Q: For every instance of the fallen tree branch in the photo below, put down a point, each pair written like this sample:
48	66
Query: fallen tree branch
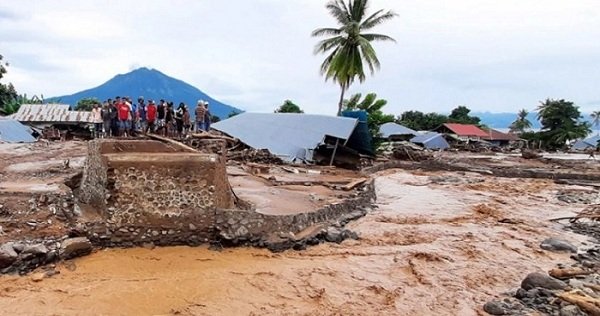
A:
568	273
354	184
212	136
586	303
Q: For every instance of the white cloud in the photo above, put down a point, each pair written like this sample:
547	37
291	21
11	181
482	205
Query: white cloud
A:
489	55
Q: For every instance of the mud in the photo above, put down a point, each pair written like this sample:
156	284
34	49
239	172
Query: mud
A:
431	247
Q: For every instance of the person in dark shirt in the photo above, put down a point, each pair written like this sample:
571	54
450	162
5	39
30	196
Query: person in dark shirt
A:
169	120
179	119
114	118
207	118
141	115
160	122
106	117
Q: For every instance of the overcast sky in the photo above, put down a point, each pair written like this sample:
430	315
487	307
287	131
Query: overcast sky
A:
490	55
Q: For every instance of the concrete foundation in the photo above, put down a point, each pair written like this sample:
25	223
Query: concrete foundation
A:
150	183
152	192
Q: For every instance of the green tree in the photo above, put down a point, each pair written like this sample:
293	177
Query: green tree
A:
288	107
13	105
521	124
349	46
8	94
86	104
561	122
420	121
461	115
596	119
372	106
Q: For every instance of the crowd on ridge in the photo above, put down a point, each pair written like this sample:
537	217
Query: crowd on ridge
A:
122	118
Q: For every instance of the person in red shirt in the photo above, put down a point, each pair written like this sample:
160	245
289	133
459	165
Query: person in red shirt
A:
123	112
151	113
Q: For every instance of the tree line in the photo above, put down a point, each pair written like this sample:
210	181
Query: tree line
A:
560	119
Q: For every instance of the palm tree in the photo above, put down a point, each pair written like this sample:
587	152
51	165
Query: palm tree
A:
521	124
371	105
349	47
596	120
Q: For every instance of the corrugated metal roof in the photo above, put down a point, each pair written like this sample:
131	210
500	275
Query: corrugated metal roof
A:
390	129
51	113
583	144
465	129
288	135
431	140
493	134
11	131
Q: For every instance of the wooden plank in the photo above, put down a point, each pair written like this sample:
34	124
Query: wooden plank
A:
354	184
174	142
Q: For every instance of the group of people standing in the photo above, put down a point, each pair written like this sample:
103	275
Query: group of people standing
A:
122	118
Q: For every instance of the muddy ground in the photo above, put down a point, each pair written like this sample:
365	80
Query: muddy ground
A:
439	243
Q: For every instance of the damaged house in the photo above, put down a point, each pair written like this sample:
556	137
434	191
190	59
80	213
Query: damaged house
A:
500	139
294	137
463	135
55	121
11	131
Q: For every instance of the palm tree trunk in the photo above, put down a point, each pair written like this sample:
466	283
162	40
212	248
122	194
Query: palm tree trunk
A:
341	104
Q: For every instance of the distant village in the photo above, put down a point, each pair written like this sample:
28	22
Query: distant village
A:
294	137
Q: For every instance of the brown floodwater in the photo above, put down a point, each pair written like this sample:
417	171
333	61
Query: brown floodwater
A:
428	249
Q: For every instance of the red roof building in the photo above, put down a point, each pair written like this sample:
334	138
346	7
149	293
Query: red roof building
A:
462	130
493	134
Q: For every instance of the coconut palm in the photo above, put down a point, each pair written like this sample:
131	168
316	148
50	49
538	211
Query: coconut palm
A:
349	46
521	124
372	106
596	120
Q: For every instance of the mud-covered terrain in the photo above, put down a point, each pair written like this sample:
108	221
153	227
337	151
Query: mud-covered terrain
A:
439	243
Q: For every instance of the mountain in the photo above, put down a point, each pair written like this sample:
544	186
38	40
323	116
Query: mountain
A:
152	84
503	120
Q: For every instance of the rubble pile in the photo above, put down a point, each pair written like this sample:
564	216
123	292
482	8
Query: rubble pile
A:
254	156
578	196
530	154
24	256
403	150
569	289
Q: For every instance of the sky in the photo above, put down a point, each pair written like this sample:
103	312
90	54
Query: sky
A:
496	56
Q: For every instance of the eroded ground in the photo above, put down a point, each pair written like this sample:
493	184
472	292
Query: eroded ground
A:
439	243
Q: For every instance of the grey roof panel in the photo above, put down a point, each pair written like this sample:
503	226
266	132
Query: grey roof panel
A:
431	140
389	129
288	135
11	131
55	113
583	144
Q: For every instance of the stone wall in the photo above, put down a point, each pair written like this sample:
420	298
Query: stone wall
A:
147	191
174	196
94	180
227	226
241	226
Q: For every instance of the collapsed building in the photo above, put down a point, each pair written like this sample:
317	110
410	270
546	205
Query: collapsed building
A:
302	138
55	121
12	131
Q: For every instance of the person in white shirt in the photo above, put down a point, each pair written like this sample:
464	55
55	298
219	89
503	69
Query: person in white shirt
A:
97	119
